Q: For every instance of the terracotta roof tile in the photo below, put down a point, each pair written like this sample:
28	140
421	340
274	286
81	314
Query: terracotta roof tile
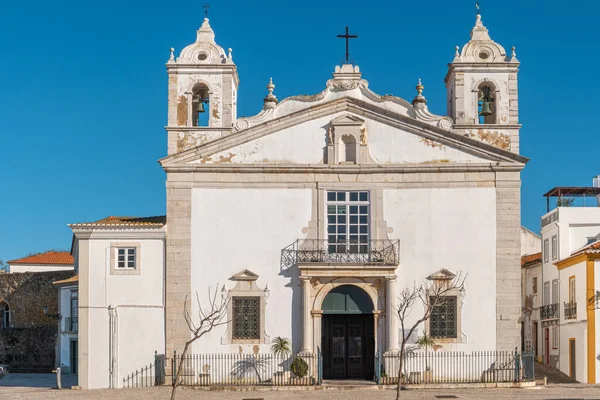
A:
156	221
73	279
50	257
530	259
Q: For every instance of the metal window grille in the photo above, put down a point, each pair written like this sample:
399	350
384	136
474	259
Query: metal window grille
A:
442	323
246	317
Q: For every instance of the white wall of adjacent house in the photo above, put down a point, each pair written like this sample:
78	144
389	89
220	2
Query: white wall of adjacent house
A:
573	328
67	330
531	278
531	243
121	321
16	268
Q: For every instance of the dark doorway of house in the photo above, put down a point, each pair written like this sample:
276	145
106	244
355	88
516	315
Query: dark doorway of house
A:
348	346
73	351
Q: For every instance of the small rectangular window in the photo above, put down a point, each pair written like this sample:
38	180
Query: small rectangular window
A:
126	258
555	337
546	250
546	299
535	284
555	291
554	247
572	289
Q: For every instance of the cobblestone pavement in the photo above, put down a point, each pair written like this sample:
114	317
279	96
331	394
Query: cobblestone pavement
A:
551	392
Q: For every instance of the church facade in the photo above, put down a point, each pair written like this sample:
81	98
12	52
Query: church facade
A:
314	215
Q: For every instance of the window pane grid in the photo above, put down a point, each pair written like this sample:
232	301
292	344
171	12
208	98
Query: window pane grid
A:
348	222
126	258
246	317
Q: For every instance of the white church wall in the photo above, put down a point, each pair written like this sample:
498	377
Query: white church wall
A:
453	229
16	268
237	229
138	301
306	144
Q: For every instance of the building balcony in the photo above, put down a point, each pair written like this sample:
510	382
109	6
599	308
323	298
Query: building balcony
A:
321	251
70	324
549	311
571	310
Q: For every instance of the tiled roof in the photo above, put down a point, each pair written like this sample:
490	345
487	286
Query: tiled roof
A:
590	248
73	279
50	257
531	259
157	221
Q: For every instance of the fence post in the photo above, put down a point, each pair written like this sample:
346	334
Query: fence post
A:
174	367
517	366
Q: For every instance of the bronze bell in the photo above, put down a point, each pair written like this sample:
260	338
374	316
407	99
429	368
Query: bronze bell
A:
486	111
200	107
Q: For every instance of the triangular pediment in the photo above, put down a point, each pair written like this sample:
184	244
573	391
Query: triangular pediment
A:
441	275
245	275
348	119
306	131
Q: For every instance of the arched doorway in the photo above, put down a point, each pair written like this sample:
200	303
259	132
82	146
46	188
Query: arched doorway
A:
348	337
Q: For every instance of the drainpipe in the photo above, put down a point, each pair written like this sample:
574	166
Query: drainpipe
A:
112	346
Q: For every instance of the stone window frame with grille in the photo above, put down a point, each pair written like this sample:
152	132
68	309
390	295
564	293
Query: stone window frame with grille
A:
246	287
458	297
115	268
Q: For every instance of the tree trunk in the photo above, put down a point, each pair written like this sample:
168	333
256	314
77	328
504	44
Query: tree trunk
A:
179	368
400	368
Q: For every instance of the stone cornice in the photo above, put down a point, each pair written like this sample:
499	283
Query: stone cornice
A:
358	107
82	232
347	168
487	126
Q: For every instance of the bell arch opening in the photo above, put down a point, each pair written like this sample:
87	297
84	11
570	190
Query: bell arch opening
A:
200	105
486	103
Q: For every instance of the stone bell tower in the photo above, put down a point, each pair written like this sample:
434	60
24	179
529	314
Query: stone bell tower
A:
482	91
203	83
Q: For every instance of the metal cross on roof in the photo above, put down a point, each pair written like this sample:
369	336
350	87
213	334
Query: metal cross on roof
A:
477	6
347	36
206	7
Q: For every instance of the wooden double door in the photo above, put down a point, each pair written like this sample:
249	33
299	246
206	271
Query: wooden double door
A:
348	344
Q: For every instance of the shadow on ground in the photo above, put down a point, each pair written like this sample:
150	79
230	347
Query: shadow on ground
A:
37	380
553	375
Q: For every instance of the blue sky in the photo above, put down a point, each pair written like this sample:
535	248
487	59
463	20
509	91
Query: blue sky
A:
83	90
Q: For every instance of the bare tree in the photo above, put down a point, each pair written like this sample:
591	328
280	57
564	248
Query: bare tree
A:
209	318
431	294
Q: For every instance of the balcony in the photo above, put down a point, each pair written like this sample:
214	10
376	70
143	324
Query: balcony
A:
550	311
317	251
571	310
70	324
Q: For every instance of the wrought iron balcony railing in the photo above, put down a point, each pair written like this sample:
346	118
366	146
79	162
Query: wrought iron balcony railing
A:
549	311
71	324
305	251
571	310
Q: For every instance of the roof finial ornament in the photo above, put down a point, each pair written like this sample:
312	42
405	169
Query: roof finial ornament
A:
419	99
229	56
270	100
456	52
172	56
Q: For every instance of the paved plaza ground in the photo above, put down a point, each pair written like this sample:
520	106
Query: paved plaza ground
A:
551	392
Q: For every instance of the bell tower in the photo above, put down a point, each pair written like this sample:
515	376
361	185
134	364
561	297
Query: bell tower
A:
482	91
203	84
